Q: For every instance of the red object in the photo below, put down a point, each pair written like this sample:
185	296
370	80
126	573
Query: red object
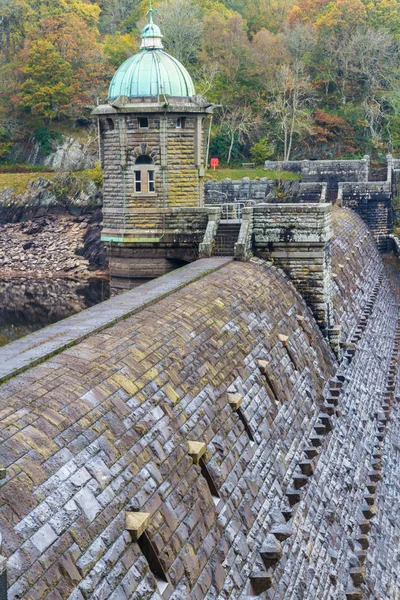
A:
214	162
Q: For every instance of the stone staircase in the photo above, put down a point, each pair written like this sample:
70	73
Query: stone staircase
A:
226	238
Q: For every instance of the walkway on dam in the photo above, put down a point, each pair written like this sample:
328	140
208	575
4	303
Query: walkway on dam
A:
36	347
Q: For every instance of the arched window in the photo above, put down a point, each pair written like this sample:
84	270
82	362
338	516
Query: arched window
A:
144	175
144	160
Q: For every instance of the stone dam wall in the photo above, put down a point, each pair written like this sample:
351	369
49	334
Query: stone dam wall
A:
296	495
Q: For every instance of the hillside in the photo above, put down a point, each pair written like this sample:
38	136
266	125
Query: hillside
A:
292	78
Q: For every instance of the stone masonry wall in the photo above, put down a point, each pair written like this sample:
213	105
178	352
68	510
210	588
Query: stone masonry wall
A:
152	220
294	166
296	238
176	176
103	428
331	553
109	431
250	191
373	202
334	171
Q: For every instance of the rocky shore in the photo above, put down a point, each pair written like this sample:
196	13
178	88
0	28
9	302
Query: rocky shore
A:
51	232
46	247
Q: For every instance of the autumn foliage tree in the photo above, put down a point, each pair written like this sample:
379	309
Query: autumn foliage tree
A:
47	88
308	76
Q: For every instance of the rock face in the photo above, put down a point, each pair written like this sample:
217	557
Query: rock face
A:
43	196
67	154
102	429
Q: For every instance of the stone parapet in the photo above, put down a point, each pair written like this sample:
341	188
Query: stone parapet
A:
313	192
300	223
244	245
206	246
293	166
335	170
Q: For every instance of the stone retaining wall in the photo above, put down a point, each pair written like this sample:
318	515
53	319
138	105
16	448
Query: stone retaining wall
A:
250	191
293	166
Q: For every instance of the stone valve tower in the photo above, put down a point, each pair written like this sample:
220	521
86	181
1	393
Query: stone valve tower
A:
153	137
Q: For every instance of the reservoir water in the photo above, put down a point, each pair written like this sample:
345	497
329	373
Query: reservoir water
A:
30	304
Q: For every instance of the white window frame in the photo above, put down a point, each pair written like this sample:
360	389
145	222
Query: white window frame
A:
138	181
151	181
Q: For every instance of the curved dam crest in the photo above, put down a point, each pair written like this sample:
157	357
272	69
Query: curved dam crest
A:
292	489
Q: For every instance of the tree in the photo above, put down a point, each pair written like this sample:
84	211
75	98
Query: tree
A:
181	25
291	94
341	16
291	97
14	16
266	14
331	135
261	151
48	86
328	17
383	14
226	46
236	124
268	52
118	47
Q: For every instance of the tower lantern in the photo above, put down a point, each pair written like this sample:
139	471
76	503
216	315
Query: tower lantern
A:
152	137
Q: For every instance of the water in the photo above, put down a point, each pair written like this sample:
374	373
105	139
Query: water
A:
30	304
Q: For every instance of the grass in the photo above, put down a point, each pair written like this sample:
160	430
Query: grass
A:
22	168
19	181
220	174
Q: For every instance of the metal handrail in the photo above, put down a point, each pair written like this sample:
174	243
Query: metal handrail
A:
232	211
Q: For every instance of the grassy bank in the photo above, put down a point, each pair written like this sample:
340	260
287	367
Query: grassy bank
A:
220	174
19	181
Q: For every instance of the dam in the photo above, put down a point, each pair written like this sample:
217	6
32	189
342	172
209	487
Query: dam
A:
254	460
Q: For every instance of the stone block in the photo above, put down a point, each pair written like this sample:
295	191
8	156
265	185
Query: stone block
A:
353	593
196	450
261	581
235	400
263	366
271	551
136	523
358	575
282	532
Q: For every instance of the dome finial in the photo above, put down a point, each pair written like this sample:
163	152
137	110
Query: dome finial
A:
151	34
150	13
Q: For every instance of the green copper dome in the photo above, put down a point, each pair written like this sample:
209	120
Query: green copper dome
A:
151	72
